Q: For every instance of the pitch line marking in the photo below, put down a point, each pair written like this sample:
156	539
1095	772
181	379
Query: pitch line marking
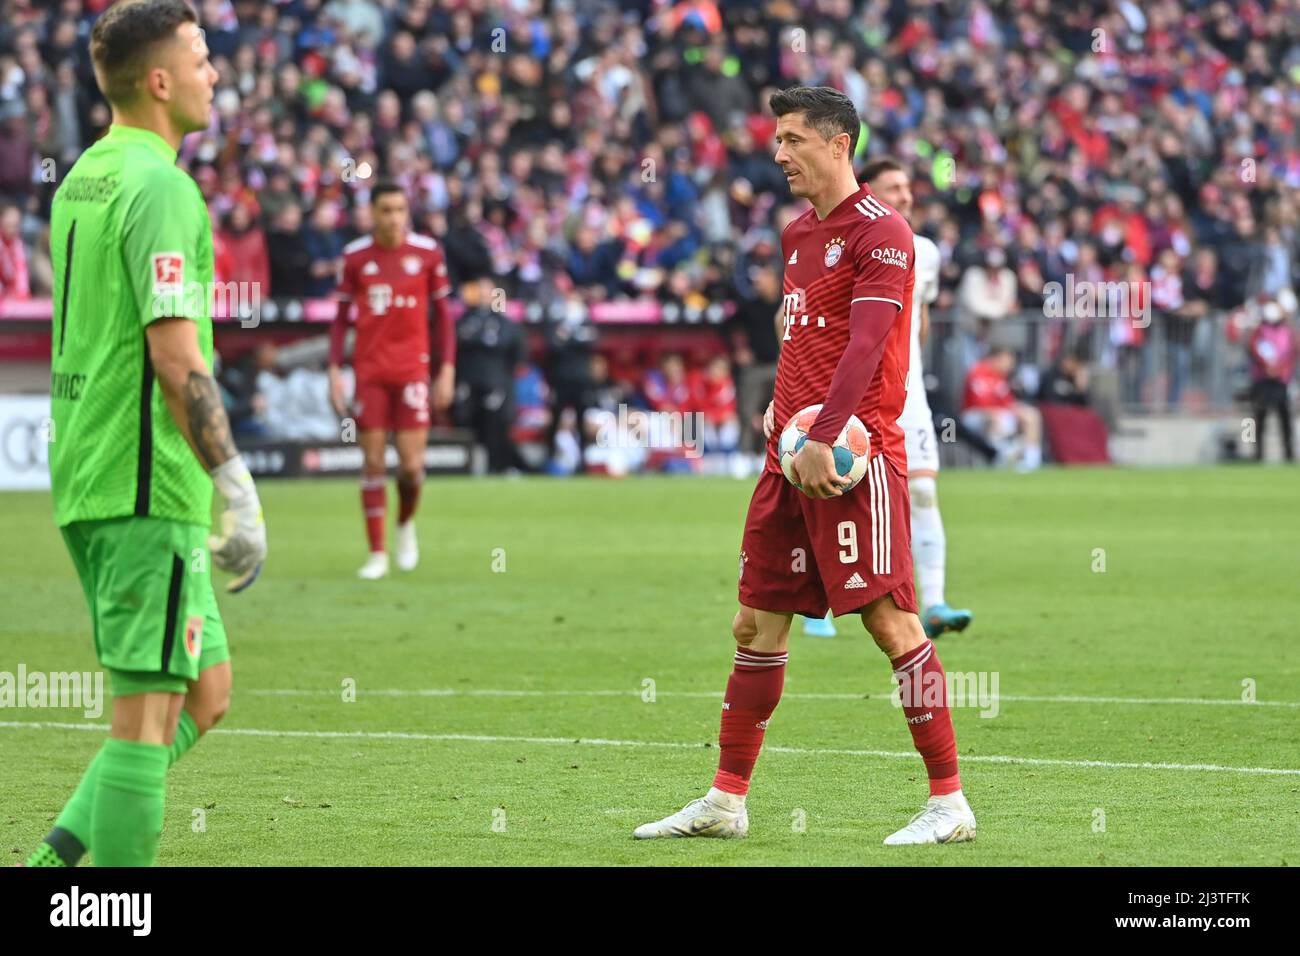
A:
677	745
717	695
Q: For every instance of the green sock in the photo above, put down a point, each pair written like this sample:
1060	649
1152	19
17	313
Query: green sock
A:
187	735
127	819
45	855
71	834
70	838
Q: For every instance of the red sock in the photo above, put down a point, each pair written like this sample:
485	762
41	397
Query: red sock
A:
924	688
408	496
752	694
374	503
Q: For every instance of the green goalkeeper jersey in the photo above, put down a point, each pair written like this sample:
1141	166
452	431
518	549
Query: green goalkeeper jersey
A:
131	243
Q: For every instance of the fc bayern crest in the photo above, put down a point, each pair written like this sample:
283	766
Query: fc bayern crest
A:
834	249
411	264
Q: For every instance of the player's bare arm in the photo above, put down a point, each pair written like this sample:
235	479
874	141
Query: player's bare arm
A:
444	386
190	390
442	331
338	332
194	401
209	425
769	415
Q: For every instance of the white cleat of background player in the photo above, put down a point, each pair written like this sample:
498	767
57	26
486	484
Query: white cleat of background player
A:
408	551
716	814
945	819
376	567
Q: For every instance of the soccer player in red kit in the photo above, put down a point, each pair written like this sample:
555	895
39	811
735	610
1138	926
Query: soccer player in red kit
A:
848	286
393	286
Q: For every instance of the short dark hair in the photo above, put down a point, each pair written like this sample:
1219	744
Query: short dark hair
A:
127	35
825	109
384	188
881	164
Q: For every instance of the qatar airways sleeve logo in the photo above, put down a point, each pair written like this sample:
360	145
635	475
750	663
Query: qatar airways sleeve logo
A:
890	256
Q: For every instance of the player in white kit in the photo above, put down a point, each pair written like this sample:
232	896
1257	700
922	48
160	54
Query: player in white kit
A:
889	180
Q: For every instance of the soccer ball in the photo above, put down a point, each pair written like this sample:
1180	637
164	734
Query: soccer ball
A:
852	449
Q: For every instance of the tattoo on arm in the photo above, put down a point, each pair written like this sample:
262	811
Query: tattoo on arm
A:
209	426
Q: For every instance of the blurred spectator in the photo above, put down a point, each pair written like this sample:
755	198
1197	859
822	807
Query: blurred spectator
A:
1128	332
570	341
1240	260
988	291
289	256
615	431
325	249
1272	367
1190	330
14	282
754	351
245	402
532	416
593	264
1175	313
671	399
1066	382
16	153
713	394
987	294
489	349
989	407
666	387
244	251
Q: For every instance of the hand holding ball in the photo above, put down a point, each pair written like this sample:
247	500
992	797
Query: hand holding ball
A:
850	452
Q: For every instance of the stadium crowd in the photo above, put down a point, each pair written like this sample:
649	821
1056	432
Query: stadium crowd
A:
601	149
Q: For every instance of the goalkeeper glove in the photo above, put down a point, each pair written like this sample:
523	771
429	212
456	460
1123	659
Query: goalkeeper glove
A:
241	547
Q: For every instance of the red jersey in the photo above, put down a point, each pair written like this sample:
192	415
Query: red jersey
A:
392	289
862	250
986	387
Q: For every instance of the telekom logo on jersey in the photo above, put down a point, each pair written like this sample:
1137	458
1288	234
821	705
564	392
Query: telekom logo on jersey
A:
794	314
380	298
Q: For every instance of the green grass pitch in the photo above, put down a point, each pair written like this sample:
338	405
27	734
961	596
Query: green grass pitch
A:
500	712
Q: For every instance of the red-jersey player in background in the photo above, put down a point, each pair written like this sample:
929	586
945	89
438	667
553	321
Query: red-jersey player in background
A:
848	285
397	282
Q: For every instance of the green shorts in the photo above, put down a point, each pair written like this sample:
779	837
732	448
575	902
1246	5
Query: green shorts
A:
152	608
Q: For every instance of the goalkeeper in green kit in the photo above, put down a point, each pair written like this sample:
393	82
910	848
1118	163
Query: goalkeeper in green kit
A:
140	437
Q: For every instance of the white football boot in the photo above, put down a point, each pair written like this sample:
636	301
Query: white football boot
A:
376	567
408	551
717	814
945	819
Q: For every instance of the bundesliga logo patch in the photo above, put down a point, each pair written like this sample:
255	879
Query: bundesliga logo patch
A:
194	636
168	270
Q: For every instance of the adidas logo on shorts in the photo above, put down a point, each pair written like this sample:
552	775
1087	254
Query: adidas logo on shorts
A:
855	582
